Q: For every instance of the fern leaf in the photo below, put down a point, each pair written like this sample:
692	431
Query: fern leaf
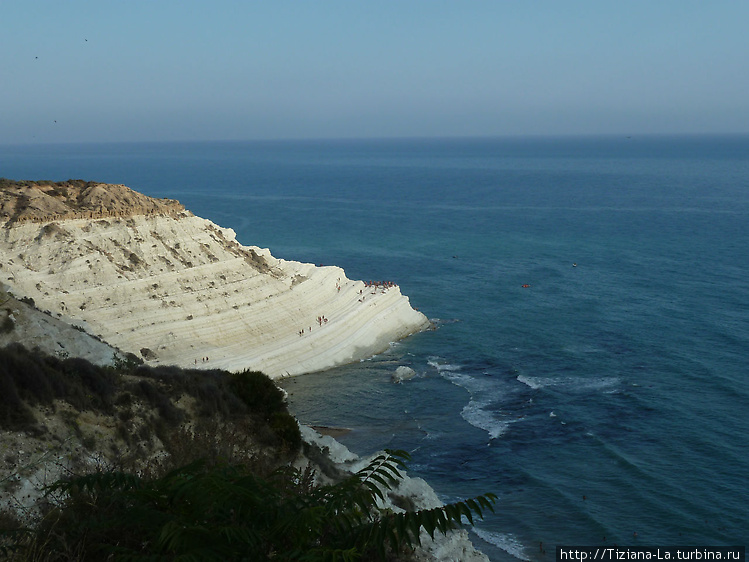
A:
475	507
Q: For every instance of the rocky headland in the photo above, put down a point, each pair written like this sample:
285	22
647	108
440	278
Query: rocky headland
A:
150	278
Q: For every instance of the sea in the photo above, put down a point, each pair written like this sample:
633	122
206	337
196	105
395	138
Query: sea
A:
590	297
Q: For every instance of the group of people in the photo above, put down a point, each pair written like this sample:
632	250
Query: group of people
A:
375	285
320	320
381	284
384	285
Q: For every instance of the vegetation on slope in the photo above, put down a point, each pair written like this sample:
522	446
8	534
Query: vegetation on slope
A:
226	512
226	489
29	379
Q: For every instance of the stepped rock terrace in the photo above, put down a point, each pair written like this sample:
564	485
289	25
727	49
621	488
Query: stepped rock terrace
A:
149	277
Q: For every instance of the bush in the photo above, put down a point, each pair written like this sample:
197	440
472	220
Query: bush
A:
94	386
209	388
159	400
126	363
258	392
31	377
25	374
286	428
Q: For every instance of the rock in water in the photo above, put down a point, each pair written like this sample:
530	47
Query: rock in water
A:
403	373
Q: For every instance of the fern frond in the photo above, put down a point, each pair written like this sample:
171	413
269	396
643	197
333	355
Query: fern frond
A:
224	512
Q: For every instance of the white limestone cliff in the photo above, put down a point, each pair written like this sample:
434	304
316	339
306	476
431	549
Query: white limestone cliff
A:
177	289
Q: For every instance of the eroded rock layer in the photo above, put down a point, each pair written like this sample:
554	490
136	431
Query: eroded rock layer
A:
151	278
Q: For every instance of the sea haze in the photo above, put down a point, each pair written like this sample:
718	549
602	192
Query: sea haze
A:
590	295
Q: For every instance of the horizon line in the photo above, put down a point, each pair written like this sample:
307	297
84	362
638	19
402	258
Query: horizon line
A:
438	138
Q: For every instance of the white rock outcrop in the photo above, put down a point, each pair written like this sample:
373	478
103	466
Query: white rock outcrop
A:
177	289
48	334
402	373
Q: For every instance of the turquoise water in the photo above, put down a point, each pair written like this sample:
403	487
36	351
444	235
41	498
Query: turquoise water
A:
609	397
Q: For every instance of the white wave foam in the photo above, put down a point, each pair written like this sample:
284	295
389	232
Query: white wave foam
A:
434	362
579	384
476	386
534	383
462	380
483	392
506	542
475	414
598	383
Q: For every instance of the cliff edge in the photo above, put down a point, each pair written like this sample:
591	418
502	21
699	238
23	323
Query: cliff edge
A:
42	201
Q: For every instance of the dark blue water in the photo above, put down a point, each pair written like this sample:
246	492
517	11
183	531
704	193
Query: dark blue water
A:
609	397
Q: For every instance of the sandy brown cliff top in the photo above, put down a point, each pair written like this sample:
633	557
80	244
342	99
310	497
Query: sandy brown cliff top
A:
42	201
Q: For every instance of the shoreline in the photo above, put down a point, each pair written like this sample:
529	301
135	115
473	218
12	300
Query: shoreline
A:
455	545
176	289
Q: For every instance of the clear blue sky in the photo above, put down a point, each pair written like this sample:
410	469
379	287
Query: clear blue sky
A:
186	70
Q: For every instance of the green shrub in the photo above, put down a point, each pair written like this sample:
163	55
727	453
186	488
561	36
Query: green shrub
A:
31	377
125	364
286	428
258	392
28	378
91	386
159	400
210	389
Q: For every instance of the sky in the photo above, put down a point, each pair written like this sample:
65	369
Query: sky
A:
162	70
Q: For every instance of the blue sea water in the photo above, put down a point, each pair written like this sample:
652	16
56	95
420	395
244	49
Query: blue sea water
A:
605	403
